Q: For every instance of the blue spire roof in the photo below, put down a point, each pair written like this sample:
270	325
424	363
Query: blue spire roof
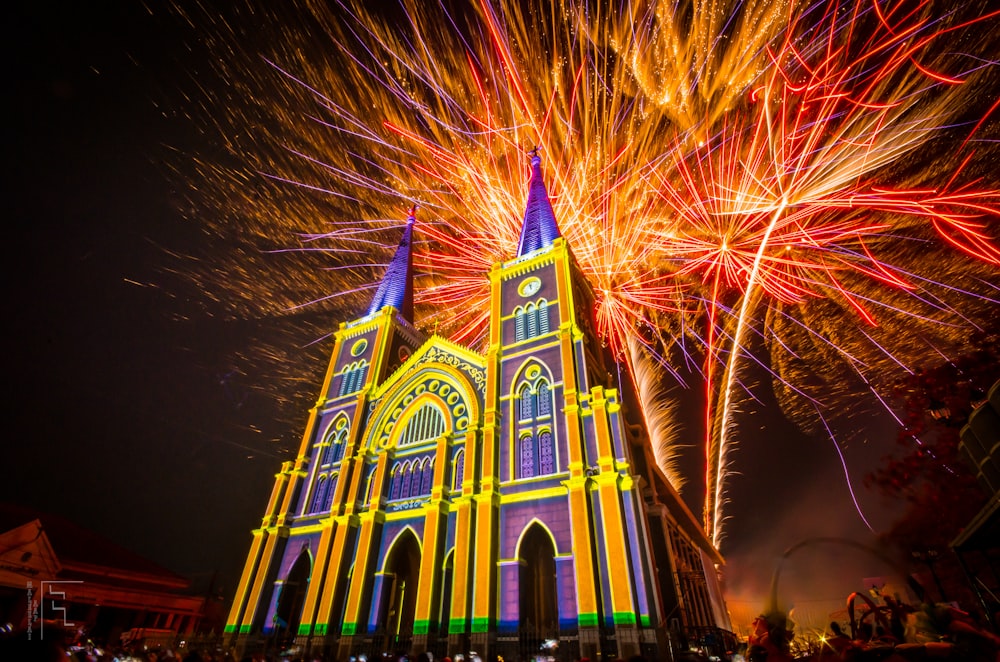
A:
539	228
396	288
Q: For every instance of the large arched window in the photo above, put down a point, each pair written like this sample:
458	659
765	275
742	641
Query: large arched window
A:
535	452
425	424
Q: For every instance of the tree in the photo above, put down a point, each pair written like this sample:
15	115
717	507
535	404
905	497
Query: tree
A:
926	470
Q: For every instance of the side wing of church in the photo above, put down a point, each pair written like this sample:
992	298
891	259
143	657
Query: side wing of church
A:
449	501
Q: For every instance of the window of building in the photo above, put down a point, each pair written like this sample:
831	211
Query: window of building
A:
527	455
412	478
331	489
427	480
536	451
406	480
459	469
531	321
425	424
525	404
319	494
353	377
518	324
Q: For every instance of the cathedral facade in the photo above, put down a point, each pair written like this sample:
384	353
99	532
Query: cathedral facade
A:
448	500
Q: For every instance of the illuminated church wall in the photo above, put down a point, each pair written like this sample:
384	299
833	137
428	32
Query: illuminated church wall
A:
459	496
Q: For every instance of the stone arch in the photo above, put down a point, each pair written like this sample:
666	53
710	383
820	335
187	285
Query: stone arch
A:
538	590
396	541
534	521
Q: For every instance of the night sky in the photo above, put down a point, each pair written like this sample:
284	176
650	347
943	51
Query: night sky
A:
131	414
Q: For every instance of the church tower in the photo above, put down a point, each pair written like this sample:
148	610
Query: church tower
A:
451	501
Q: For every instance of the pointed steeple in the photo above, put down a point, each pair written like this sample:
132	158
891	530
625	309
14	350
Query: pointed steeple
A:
396	288
539	227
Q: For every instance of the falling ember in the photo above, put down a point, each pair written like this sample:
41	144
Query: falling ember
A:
803	186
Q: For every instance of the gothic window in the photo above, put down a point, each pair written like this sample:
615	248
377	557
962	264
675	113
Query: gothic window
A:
339	444
535	452
518	324
336	441
404	491
428	477
459	468
319	495
527	453
328	453
331	488
397	482
544	398
426	423
546	453
524	404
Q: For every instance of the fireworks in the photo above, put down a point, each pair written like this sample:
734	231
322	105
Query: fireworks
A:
792	184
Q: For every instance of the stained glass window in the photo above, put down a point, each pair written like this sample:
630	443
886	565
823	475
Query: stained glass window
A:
524	402
546	453
527	456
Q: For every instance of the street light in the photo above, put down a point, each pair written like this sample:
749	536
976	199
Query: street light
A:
930	557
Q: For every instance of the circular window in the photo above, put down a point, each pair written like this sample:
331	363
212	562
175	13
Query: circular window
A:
359	347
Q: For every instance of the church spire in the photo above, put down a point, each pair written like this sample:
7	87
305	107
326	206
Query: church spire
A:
396	288
539	227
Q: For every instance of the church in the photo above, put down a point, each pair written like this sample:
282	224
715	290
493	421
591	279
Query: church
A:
450	501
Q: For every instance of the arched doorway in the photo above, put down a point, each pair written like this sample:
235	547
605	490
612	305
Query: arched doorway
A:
403	570
538	596
292	595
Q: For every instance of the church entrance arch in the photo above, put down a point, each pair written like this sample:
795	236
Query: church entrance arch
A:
403	571
538	596
292	596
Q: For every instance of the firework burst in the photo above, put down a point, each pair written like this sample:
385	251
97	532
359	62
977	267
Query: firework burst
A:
789	184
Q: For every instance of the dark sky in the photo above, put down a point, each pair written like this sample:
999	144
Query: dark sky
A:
126	416
125	419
